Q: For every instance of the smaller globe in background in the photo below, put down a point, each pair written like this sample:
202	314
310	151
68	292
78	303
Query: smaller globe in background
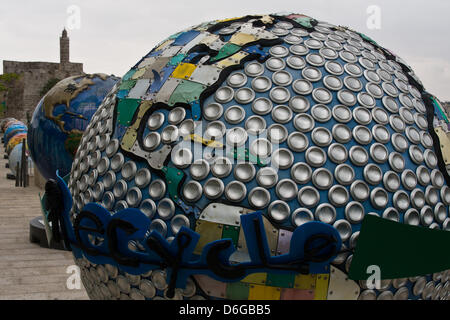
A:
60	119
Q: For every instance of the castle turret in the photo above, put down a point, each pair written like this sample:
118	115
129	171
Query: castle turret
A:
64	47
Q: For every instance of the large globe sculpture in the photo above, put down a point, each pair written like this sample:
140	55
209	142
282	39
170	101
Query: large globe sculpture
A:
60	119
256	130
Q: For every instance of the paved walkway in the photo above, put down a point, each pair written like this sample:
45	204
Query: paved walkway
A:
28	271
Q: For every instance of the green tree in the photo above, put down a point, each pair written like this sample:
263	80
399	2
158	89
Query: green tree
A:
50	84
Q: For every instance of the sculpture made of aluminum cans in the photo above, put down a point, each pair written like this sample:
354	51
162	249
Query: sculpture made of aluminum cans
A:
207	170
60	119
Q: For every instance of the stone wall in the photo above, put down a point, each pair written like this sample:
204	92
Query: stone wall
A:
35	76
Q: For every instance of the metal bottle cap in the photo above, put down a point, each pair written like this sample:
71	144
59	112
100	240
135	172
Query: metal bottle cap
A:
401	201
282	78
423	176
326	213
176	115
296	62
346	97
338	153
261	84
215	130
103	166
279	51
342	133
333	82
302	87
275	64
151	141
379	198
224	94
117	162
134	197
373	174
321	137
108	200
304	122
312	74
237	79
182	157
334	67
344	174
221	167
192	191
354	212
213	111
344	229
380	116
109	180
286	190
358	156
299	104
169	134
234	114
437	178
440	213
157	189
301	216
244	172
308	197
418	198
430	159
254	69
431	195
279	211
426	216
362	115
148	207
300	173
259	198
199	170
362	135
262	106
412	217
338	196
261	148
235	191
381	134
120	189
322	95
416	154
399	142
360	190
322	179
342	113
159	226
282	114
166	209
277	133
315	157
267	177
178	221
280	95
155	121
282	159
213	188
366	100
236	137
397	162
244	95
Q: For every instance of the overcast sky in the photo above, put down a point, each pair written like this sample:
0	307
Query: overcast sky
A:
113	35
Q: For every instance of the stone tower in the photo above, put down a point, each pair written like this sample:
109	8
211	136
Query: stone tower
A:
64	47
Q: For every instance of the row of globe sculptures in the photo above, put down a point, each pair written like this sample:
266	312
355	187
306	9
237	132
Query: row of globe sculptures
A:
14	140
341	119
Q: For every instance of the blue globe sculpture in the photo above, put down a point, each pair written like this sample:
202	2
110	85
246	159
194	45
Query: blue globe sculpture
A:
60	119
210	170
